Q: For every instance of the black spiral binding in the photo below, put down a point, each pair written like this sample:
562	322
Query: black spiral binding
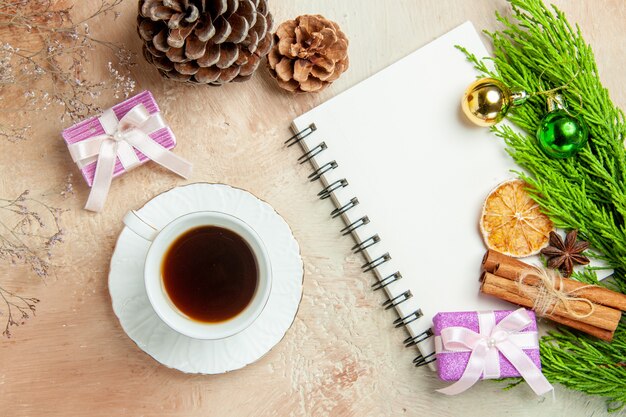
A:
355	225
317	174
367	243
414	340
397	300
300	135
340	210
382	283
331	188
420	360
312	153
370	266
410	318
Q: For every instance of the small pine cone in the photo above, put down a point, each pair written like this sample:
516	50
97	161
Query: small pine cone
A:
309	53
205	41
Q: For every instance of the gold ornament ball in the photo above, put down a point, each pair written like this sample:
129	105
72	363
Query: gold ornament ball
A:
486	101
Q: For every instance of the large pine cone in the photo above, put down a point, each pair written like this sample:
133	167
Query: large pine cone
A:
309	53
205	41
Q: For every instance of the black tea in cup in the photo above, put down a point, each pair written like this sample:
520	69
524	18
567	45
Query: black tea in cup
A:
210	274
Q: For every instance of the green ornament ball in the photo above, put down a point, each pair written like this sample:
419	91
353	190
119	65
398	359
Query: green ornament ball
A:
561	134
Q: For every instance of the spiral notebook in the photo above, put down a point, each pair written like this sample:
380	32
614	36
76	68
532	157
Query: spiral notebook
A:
408	175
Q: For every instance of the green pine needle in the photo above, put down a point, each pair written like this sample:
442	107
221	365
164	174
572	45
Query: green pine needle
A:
538	50
586	364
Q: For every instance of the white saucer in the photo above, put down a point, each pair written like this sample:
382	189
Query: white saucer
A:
140	322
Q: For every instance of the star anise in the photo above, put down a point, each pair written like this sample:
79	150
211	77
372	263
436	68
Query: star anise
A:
564	254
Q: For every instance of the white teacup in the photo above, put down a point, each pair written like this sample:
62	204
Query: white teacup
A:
162	240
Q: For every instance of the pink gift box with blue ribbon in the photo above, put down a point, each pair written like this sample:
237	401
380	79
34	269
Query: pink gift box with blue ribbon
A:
473	345
121	138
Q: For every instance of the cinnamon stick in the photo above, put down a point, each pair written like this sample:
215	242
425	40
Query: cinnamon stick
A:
512	268
606	335
490	289
603	317
494	258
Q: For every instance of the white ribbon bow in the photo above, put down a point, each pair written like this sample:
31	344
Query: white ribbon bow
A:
506	338
120	137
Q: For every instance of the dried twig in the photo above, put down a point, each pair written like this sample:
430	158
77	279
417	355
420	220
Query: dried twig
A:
17	309
42	62
29	230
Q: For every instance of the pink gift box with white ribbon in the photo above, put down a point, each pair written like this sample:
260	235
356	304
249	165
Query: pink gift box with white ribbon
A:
120	139
473	345
93	127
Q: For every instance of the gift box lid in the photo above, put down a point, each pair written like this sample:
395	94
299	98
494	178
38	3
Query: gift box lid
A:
469	320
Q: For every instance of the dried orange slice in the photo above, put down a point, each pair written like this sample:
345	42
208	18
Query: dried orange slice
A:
512	223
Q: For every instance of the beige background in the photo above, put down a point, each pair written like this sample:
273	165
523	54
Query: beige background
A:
342	356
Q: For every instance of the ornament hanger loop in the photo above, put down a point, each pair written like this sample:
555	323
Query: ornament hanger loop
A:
551	91
555	99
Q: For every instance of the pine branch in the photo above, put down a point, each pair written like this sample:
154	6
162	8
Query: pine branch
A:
538	50
583	363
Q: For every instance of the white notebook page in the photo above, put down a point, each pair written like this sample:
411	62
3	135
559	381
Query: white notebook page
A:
420	172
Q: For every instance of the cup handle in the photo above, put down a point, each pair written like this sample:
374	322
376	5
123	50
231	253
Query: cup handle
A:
140	226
